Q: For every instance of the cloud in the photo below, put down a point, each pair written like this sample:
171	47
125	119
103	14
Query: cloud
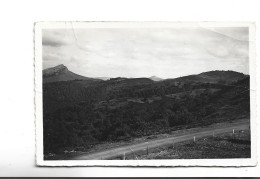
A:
50	42
54	39
135	52
235	33
51	57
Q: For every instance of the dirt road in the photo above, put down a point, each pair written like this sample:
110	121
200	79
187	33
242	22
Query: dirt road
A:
120	151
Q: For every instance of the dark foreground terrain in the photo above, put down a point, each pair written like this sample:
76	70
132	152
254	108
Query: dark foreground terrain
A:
221	146
80	113
143	148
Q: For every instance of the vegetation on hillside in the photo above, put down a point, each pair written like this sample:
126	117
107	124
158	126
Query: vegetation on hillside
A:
80	113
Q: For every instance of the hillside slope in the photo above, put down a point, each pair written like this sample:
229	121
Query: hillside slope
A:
80	114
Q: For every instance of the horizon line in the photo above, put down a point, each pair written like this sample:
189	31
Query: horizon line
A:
144	76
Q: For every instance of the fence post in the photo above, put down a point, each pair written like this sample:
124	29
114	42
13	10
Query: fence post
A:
194	139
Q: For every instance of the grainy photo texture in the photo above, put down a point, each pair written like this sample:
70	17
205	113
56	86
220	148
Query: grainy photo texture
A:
127	93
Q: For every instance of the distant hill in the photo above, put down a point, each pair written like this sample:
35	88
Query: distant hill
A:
213	77
103	78
61	73
155	78
136	81
218	76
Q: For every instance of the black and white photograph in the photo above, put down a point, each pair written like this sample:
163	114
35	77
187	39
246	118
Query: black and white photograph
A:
145	94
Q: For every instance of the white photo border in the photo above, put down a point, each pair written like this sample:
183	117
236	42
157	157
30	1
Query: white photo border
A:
155	163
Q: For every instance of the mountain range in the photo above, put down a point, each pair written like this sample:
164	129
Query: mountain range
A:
61	73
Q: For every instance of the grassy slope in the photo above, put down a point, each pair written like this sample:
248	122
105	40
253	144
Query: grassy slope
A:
182	130
221	146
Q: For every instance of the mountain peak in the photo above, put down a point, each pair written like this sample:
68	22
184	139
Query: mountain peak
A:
54	70
62	73
155	78
61	66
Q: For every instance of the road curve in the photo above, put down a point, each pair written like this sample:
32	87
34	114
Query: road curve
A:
120	151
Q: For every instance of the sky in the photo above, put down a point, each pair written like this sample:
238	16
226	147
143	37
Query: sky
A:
145	52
